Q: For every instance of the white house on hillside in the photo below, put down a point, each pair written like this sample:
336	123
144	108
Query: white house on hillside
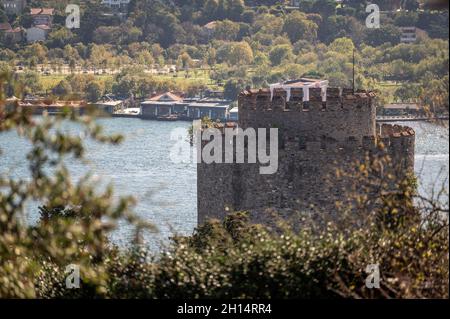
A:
116	4
409	35
38	33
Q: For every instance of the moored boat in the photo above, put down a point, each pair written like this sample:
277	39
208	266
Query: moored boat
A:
168	118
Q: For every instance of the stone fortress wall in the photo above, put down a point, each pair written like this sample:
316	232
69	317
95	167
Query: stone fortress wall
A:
316	138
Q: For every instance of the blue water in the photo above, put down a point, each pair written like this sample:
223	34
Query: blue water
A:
166	191
432	160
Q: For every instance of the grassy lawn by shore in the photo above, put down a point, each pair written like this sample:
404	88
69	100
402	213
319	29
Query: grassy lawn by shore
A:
50	81
182	78
195	77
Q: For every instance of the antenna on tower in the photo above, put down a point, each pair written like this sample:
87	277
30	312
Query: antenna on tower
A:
353	81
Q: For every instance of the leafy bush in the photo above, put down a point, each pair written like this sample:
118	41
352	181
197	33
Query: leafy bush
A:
235	259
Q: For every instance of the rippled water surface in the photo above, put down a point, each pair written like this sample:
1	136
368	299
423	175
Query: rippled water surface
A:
167	192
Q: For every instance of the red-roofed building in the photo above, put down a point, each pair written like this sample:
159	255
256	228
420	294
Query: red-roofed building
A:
167	97
42	16
5	27
162	105
14	35
10	35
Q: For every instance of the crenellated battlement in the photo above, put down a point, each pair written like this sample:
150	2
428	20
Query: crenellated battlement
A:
323	112
319	100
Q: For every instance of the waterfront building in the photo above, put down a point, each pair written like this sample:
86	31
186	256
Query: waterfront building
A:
176	107
39	106
233	114
401	109
109	106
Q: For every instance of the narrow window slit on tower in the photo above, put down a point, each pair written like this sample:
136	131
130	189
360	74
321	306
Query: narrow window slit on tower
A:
302	144
323	143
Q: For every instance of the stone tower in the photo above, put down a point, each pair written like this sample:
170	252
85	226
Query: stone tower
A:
321	130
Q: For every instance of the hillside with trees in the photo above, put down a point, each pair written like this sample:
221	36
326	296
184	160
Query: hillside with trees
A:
231	44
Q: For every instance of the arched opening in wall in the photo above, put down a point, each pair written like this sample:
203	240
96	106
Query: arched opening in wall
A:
279	103
248	103
352	142
306	106
295	103
263	102
287	106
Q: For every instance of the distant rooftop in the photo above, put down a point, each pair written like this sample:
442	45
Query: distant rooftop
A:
208	105
167	97
42	26
44	11
5	26
211	25
109	103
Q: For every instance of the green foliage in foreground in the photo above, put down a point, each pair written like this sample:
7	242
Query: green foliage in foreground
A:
235	259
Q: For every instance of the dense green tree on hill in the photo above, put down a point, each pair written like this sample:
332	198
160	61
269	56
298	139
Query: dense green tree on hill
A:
280	53
408	92
435	23
261	44
94	91
28	82
298	27
60	37
236	9
338	26
92	18
406	19
325	8
385	34
226	30
3	16
240	54
62	89
232	88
